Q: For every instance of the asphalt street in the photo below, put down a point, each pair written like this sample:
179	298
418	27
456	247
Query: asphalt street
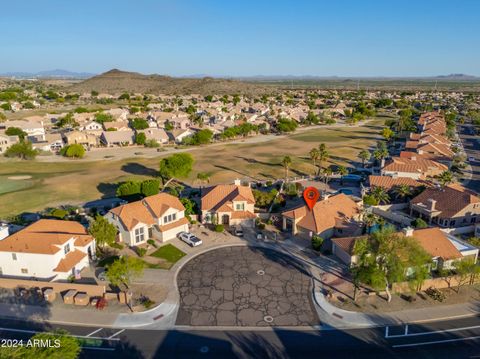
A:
458	338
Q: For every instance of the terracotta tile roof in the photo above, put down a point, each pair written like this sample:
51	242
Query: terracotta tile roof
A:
436	243
45	236
243	215
436	148
411	145
424	155
449	200
175	224
146	211
70	260
413	165
325	213
347	243
213	198
388	182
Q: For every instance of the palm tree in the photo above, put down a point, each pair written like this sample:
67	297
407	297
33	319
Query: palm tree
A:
370	220
402	191
364	155
286	163
445	178
342	171
380	195
327	172
322	155
314	156
380	154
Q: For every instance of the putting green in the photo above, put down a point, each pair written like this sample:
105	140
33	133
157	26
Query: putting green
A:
14	183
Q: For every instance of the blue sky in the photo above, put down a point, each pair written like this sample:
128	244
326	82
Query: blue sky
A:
243	37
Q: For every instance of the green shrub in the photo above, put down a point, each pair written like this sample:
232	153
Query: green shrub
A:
419	223
317	242
261	226
219	228
369	200
141	251
116	245
152	243
59	213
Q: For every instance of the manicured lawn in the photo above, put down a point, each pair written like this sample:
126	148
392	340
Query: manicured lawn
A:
168	252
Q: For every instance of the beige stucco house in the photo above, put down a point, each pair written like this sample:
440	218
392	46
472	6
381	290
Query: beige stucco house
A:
231	204
160	217
47	249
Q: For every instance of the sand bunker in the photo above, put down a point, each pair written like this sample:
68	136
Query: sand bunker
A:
19	178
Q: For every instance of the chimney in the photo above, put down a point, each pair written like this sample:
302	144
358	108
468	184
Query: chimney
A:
431	204
237	182
413	158
408	231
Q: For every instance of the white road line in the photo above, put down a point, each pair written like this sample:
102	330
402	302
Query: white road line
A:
95	331
434	342
115	334
433	332
76	336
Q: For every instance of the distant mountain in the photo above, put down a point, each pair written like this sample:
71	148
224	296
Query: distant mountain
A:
57	73
457	77
116	81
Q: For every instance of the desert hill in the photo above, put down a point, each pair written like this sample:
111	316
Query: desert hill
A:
116	81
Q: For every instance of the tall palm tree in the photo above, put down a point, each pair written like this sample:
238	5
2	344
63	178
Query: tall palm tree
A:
323	155
445	178
327	172
380	153
314	156
402	191
381	195
364	155
286	163
342	171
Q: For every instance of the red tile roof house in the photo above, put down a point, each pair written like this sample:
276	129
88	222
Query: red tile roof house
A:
450	206
231	204
161	217
337	216
415	167
442	247
47	249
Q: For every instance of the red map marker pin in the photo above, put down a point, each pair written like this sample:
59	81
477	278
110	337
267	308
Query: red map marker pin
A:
311	195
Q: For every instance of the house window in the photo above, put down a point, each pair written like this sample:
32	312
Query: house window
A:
170	218
452	223
24	271
240	207
66	249
139	235
14	256
473	219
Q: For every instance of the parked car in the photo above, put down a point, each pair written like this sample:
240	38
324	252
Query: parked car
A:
190	239
471	159
237	231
